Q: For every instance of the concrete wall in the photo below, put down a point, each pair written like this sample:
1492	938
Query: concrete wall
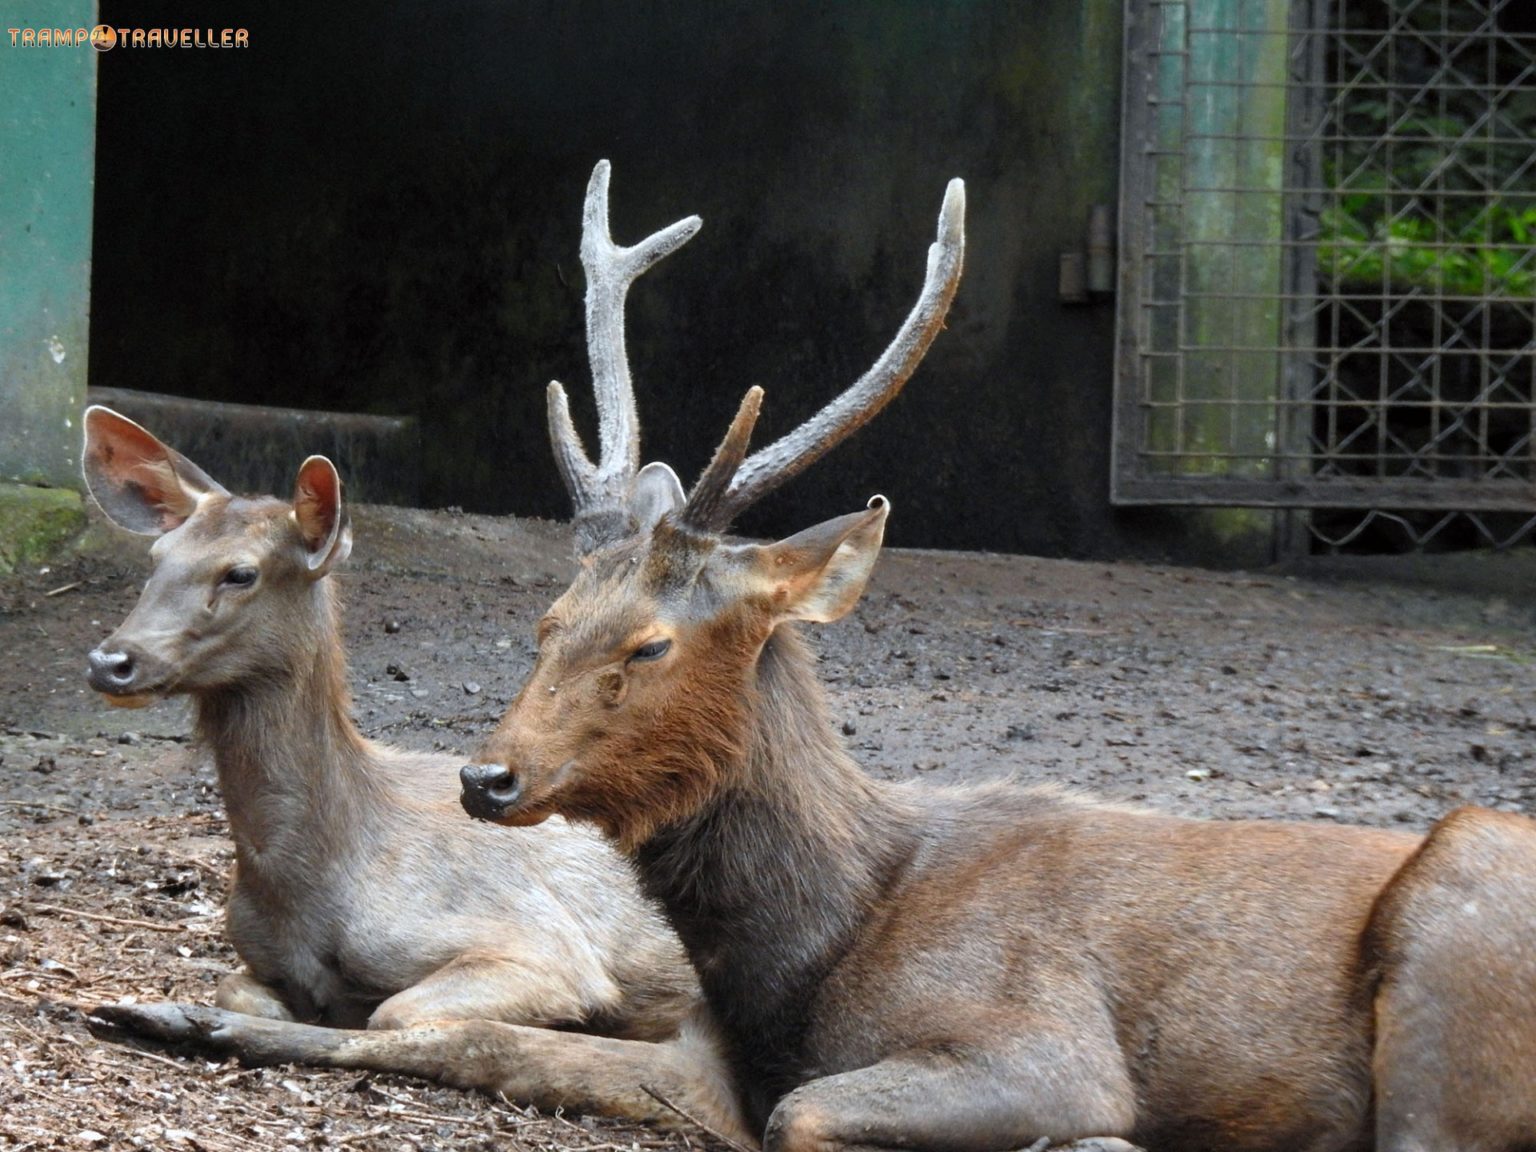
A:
251	448
376	208
47	149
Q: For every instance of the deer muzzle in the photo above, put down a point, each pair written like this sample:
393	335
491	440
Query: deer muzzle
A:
123	675
489	791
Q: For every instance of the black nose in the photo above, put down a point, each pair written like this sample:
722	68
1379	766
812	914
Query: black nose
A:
112	671
488	790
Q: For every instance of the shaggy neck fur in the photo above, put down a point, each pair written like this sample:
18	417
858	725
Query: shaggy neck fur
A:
292	766
769	881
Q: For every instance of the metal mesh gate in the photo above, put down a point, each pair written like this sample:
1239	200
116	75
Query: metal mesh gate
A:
1328	253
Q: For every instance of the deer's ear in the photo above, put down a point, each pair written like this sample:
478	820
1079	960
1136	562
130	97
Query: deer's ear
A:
141	484
819	574
324	525
656	492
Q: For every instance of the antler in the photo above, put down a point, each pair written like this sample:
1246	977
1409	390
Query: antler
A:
730	483
599	491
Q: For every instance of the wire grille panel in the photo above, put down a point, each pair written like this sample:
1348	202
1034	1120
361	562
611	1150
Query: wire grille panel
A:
1328	241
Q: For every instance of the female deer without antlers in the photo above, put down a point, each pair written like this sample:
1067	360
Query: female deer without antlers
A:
359	893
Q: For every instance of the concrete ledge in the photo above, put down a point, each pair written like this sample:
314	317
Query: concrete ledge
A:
256	450
35	523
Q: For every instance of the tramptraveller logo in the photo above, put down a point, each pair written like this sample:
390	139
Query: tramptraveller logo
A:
104	37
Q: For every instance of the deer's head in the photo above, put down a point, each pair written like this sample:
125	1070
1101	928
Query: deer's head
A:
231	594
637	706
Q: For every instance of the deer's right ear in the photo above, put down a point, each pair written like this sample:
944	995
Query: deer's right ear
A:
141	484
656	492
324	525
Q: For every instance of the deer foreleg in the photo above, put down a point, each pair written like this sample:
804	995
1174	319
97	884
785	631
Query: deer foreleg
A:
965	1102
625	1079
242	992
476	987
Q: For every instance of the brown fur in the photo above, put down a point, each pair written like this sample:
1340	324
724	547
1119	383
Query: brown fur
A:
975	968
652	775
1453	945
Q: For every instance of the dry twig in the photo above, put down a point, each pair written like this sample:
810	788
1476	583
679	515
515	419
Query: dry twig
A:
102	917
39	804
694	1120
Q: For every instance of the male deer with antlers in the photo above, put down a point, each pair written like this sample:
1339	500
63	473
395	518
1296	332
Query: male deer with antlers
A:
975	968
359	894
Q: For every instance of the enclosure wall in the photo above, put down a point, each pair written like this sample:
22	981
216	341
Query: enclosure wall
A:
376	208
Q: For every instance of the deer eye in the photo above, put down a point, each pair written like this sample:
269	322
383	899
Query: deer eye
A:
651	650
240	576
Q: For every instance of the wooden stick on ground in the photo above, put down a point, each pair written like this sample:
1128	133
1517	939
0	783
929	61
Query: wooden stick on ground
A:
148	925
694	1120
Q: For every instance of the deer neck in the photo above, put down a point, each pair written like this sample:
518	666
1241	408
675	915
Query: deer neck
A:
292	767
768	884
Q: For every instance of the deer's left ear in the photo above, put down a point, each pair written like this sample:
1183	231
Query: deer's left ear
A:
324	525
818	575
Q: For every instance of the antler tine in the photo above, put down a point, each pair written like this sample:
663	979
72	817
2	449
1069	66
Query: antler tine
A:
570	457
769	467
715	482
610	269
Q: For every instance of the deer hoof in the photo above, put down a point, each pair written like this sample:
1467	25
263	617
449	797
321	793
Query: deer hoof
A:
169	1023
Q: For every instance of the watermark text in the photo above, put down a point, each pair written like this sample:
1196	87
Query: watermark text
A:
104	37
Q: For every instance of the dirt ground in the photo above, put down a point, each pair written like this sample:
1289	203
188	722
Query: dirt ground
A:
1372	692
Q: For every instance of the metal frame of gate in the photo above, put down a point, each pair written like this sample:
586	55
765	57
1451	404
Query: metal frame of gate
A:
1327	294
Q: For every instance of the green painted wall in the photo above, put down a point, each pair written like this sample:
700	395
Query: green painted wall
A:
47	156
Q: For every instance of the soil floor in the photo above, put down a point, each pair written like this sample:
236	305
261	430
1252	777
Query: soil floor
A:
1377	692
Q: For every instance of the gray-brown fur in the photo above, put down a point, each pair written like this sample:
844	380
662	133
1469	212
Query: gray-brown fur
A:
360	894
658	1083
